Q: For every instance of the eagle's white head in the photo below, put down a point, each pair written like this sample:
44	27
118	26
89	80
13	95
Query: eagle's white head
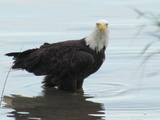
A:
98	38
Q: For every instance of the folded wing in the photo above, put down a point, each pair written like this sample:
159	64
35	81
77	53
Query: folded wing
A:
53	59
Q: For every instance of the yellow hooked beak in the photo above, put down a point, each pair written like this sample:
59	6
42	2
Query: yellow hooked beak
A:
102	27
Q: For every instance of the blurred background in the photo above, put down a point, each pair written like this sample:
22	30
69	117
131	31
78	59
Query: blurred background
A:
126	87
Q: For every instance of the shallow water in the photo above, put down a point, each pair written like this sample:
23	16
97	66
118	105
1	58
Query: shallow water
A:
121	90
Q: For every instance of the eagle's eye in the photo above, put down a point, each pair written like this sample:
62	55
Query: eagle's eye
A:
97	24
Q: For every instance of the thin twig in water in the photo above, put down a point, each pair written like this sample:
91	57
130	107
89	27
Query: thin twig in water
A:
4	87
151	55
154	22
5	82
147	47
143	64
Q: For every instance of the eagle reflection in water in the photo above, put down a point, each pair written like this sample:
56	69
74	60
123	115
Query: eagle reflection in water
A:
53	105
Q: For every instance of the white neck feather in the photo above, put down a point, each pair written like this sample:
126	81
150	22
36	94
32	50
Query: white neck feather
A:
97	40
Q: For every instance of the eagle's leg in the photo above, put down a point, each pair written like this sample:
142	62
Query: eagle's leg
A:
79	84
49	81
68	85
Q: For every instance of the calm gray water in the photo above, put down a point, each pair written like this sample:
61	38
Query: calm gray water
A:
120	90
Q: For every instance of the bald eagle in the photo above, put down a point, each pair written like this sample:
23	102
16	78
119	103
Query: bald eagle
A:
66	64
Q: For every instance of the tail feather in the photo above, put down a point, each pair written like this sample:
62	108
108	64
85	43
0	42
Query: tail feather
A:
24	60
15	54
18	54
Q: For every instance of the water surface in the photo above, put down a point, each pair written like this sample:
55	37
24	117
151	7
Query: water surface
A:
120	90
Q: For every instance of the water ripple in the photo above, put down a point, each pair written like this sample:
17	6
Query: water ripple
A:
108	90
